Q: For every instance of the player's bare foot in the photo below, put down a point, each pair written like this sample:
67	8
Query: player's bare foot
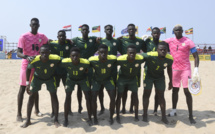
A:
26	124
164	120
80	109
145	118
192	121
57	124
136	119
118	120
19	118
70	113
131	111
90	123
65	123
96	121
123	111
111	121
38	114
101	112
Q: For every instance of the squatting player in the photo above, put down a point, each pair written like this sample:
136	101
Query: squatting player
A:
103	66
29	46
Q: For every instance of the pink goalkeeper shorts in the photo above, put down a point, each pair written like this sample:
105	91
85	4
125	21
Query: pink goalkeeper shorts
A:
180	76
23	73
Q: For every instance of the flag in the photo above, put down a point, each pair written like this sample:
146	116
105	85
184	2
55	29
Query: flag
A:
163	30
136	30
114	32
79	28
96	29
189	31
67	28
124	31
149	29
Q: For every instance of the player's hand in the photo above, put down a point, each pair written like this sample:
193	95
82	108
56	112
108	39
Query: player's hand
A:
28	89
196	77
170	85
119	38
98	40
69	41
30	58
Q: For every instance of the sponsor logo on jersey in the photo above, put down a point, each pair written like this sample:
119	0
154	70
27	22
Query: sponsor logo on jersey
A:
165	65
51	65
114	43
109	65
137	43
90	40
137	65
67	47
81	68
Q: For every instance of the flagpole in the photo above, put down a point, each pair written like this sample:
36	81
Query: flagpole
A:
193	37
100	30
71	31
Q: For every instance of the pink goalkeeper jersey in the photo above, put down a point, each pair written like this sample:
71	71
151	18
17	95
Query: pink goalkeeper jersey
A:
180	50
31	43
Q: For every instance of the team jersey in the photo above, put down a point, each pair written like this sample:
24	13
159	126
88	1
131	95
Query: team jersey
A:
113	45
180	51
155	66
75	72
125	42
150	45
44	71
61	50
103	71
88	47
31	43
129	70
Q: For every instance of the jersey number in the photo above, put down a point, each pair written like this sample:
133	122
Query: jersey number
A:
130	70
75	72
61	53
45	71
103	71
157	67
35	47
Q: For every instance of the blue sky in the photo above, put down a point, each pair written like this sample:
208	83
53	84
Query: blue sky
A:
54	14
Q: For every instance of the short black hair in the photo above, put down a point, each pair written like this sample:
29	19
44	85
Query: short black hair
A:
47	46
131	25
108	26
132	46
61	31
35	19
85	25
76	49
103	46
163	43
156	28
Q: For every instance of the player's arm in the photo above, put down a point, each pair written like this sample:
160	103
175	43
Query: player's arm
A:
28	73
169	72
195	76
144	47
21	55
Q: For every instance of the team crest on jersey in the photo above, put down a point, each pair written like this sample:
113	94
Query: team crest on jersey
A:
165	65
40	40
114	43
137	43
90	40
183	44
136	65
51	65
109	65
81	68
67	47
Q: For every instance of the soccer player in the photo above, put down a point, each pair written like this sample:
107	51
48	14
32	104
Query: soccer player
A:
61	47
44	65
180	48
88	46
124	43
113	48
103	65
130	64
154	74
77	69
29	46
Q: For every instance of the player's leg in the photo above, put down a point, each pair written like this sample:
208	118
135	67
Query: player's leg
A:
79	96
88	104
156	103
101	100
36	103
124	99
20	101
131	105
136	104
95	92
67	107
120	91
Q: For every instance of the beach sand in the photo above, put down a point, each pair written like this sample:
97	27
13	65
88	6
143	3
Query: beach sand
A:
204	109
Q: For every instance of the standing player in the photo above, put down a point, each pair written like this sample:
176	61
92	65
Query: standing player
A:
113	48
180	48
28	46
88	46
130	64
154	74
124	43
103	66
77	69
61	47
44	65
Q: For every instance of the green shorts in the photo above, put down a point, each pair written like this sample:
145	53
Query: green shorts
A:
50	84
158	83
60	77
130	84
70	84
108	84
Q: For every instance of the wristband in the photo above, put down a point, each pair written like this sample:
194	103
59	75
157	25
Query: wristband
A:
27	83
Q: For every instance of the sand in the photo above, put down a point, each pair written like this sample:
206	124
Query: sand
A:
204	109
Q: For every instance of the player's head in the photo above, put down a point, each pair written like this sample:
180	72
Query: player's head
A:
61	35
178	31
103	51
131	29
162	49
131	51
156	33
108	29
34	24
85	29
75	55
45	52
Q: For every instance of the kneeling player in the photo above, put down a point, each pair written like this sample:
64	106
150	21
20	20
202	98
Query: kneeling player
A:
130	64
154	74
44	65
77	74
103	65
